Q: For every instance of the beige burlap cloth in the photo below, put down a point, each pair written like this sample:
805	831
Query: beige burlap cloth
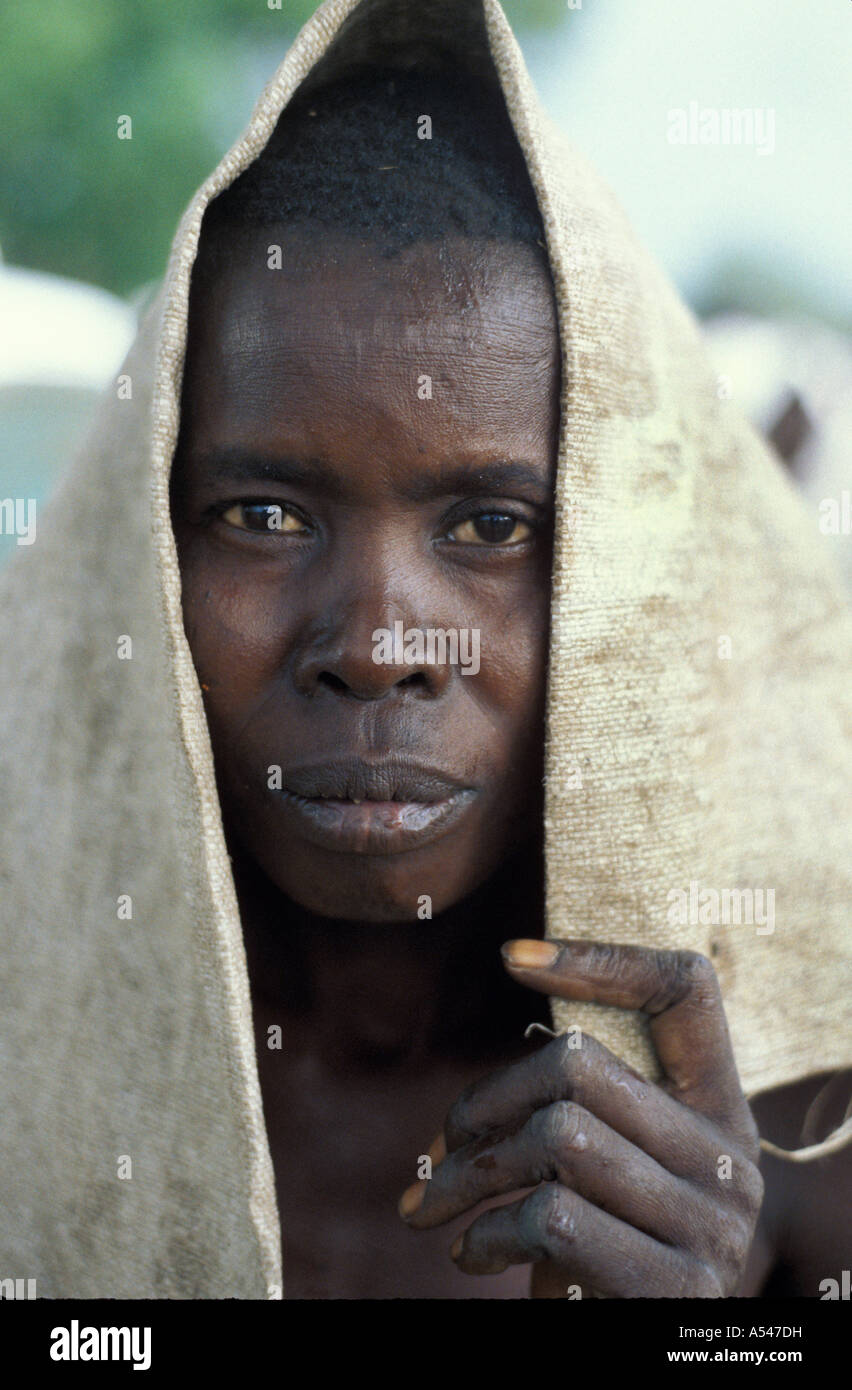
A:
698	745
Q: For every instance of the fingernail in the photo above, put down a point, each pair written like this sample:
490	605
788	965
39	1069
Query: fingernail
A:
411	1199
530	955
437	1151
455	1248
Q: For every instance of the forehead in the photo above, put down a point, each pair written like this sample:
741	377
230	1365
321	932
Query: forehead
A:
339	326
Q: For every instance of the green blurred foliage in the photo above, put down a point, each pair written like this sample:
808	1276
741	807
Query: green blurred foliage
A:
77	200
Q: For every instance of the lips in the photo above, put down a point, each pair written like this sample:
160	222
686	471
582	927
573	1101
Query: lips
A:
351	779
353	807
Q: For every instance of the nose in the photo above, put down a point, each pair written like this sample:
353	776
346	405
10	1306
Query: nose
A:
358	658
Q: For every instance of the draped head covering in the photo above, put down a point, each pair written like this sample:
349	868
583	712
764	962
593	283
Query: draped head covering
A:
698	742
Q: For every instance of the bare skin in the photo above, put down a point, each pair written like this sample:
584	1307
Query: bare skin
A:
301	395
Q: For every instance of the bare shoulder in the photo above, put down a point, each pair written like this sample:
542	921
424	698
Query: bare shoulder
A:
807	1213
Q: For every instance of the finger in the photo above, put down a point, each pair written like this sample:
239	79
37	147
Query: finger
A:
680	992
593	1247
581	1069
565	1143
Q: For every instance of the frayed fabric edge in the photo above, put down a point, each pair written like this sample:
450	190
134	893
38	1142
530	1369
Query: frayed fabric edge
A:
834	1141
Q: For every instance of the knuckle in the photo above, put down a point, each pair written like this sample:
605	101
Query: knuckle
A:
745	1192
733	1241
550	1218
685	972
608	959
671	980
728	1239
694	972
561	1127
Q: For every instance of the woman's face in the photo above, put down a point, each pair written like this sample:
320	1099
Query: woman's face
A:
362	502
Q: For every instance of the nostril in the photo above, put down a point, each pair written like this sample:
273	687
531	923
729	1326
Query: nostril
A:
333	682
415	680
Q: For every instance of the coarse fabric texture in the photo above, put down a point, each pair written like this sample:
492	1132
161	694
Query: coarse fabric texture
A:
698	743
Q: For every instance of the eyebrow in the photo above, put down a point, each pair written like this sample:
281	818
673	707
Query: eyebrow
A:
239	465
495	476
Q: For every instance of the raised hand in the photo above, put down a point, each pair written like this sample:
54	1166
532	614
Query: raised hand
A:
633	1189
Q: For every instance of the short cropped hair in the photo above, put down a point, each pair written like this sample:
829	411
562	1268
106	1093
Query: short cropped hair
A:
355	157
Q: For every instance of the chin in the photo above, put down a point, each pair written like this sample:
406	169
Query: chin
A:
374	890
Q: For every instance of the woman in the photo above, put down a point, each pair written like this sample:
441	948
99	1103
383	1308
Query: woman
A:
269	942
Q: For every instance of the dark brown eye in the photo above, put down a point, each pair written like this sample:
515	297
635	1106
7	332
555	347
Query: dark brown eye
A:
266	517
491	528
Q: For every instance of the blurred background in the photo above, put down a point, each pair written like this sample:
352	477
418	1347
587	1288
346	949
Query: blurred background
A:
755	234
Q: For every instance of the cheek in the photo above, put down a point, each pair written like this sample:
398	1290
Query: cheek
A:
236	631
514	642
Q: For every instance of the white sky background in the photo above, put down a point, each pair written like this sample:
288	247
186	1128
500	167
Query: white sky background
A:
612	73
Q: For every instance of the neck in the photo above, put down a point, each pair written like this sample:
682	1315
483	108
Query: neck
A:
370	993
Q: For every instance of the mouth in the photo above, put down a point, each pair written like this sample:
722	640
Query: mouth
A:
353	807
